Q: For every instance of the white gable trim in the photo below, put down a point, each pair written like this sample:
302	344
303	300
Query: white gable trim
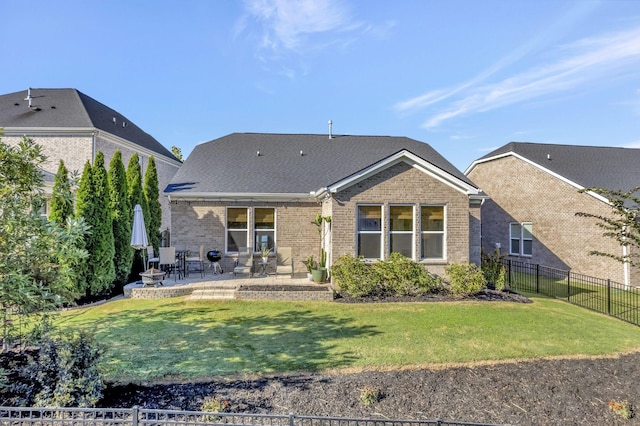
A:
406	157
539	167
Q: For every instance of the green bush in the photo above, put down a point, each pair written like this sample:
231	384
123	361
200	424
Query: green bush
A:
63	373
397	276
493	268
465	278
353	276
401	276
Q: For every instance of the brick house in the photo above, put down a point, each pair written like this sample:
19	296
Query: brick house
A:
534	192
383	194
72	126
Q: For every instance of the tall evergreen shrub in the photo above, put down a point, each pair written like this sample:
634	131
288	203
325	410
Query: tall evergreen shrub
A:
61	197
122	213
152	197
136	196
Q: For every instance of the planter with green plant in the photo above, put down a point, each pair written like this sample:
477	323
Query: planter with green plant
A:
311	265
319	271
266	251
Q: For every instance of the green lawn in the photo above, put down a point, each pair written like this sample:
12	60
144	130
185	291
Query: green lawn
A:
174	338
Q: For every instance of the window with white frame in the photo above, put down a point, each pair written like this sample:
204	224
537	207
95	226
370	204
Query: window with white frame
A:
433	232
521	239
401	230
264	228
237	228
370	232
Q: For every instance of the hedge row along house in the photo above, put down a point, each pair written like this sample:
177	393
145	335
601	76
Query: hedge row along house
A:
382	194
534	194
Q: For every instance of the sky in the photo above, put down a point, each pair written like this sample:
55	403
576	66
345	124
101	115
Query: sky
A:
465	76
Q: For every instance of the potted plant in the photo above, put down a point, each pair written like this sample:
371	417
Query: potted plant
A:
266	251
311	265
319	272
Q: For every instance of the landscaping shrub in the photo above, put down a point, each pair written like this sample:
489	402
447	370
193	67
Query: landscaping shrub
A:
401	276
353	276
63	373
465	278
397	276
493	268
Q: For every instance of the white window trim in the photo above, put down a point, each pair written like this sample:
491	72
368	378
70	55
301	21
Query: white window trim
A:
226	227
380	232
520	239
443	233
412	232
275	226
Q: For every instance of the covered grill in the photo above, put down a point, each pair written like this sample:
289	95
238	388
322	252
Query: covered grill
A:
214	257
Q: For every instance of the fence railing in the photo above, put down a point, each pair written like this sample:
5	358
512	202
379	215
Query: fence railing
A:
23	416
598	294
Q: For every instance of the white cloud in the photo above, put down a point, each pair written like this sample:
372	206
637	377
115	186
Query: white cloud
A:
288	25
635	144
582	63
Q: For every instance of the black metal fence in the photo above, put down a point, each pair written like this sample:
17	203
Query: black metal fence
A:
22	416
598	294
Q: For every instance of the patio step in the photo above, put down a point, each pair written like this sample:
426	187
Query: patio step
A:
213	294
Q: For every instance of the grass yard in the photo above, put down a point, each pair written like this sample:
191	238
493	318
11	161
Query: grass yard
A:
175	339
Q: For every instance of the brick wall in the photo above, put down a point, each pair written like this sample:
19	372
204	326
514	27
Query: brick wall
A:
521	192
204	222
403	184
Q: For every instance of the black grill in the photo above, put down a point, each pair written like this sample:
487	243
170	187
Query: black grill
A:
214	256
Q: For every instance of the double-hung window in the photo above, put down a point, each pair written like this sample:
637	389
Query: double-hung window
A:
401	230
432	232
521	239
370	232
237	228
264	224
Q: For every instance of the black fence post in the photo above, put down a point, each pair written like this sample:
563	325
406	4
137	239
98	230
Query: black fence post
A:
537	278
509	266
569	286
608	296
135	411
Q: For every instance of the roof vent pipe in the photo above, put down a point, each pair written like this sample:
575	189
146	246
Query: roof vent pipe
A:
28	98
330	128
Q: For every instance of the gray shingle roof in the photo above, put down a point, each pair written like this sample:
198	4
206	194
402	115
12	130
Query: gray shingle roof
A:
56	108
231	165
587	166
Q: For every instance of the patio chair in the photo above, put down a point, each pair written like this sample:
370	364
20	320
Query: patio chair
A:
244	264
151	257
284	263
168	261
198	260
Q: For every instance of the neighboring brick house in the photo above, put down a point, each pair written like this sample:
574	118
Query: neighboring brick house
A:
72	126
534	192
383	194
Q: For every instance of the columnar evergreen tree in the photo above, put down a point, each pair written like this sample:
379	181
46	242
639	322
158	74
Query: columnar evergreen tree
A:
152	197
93	204
85	205
136	196
122	213
62	197
103	245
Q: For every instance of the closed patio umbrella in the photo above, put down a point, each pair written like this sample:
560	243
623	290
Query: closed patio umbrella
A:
139	240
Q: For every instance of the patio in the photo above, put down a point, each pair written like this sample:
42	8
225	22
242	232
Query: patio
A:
226	286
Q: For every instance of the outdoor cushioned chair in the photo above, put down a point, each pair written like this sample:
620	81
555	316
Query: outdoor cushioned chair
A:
151	257
198	260
284	264
244	264
168	261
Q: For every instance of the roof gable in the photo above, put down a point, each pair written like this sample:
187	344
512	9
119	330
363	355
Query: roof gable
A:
71	109
290	164
580	166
